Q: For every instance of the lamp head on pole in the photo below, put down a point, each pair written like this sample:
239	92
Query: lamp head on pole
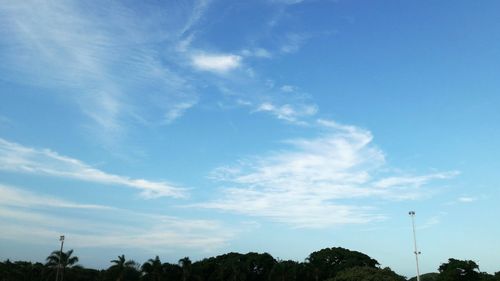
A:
411	213
61	238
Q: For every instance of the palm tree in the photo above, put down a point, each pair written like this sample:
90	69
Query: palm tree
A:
120	266
62	260
152	269
185	263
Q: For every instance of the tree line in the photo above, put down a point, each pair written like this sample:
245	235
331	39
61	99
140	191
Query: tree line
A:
330	264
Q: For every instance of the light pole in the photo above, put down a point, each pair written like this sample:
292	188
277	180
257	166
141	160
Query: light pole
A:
412	214
61	238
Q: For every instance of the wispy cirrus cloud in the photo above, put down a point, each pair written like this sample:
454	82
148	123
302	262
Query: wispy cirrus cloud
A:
198	9
101	62
466	199
131	67
288	112
28	215
287	2
257	53
18	158
293	42
414	181
13	196
309	184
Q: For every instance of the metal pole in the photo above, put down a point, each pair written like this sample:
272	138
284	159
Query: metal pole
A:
61	238
412	214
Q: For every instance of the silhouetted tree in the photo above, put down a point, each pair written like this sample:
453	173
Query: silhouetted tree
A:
152	270
172	272
326	263
458	270
285	271
185	263
366	273
62	259
123	270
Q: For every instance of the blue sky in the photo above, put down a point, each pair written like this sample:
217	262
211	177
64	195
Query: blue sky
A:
197	128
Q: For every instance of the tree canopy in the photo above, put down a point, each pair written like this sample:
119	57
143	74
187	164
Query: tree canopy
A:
329	264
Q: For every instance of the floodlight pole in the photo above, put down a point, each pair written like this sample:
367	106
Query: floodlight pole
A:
412	214
61	238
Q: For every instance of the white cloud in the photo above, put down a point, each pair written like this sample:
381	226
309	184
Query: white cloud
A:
288	88
95	61
28	217
17	158
177	110
466	199
288	112
293	43
215	62
314	183
139	232
198	10
430	222
12	196
257	52
287	2
412	180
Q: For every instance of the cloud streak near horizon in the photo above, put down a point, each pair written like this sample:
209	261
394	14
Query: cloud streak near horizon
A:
32	219
21	159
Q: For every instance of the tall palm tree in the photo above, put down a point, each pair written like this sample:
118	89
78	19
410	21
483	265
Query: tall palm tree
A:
185	263
152	269
62	259
120	266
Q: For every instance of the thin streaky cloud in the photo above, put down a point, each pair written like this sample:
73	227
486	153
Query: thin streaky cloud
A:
412	180
13	196
28	215
288	88
308	184
95	61
199	9
292	113
257	53
287	2
467	199
293	43
144	233
18	158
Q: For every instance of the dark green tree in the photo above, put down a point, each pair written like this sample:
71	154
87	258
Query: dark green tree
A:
185	263
366	273
326	263
458	270
285	271
152	270
123	270
431	276
61	259
172	272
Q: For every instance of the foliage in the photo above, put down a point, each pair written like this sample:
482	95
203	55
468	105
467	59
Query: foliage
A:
326	263
61	260
431	276
458	270
366	273
152	270
123	270
235	266
330	264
